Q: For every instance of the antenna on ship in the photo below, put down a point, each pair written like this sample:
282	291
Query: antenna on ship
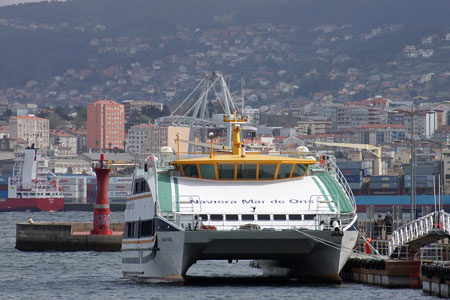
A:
235	122
242	91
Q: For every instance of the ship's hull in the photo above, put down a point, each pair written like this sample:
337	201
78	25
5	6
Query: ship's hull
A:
316	255
32	204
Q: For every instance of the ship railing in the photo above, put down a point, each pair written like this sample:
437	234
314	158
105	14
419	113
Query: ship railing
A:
345	218
334	170
193	221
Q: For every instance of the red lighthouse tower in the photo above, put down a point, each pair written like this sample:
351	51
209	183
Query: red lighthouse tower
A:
101	206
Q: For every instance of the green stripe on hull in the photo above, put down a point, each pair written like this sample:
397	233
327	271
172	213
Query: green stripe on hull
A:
323	193
164	192
336	191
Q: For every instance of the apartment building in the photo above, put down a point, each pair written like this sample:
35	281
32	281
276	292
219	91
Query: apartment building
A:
32	129
137	135
166	136
105	125
62	139
376	134
314	127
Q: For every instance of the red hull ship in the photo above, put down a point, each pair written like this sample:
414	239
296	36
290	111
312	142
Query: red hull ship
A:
29	188
32	204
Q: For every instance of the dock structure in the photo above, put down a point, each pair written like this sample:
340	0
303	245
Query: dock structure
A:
420	232
435	279
383	272
401	264
70	236
100	235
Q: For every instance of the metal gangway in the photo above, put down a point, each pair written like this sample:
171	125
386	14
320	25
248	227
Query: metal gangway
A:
420	232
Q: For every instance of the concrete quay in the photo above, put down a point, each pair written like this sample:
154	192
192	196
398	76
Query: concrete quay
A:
383	272
435	279
70	236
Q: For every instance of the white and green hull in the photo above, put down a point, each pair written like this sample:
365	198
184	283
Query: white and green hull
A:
306	246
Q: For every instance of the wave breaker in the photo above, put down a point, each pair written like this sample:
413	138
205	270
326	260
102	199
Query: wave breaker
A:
296	216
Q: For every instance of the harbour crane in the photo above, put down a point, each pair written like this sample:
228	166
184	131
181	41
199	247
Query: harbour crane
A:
374	150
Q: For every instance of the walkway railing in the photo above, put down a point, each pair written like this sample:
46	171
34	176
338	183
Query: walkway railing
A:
419	228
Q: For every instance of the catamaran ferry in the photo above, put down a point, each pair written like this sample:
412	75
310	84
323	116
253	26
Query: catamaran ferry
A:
294	216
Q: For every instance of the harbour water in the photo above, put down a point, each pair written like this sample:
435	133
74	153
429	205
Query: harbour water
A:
93	275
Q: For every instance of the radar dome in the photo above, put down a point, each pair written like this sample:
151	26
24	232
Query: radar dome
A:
167	155
166	149
302	151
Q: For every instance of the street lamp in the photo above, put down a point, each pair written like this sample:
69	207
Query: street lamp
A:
413	171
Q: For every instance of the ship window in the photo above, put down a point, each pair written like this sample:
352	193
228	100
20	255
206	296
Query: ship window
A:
47	194
204	217
284	171
216	217
141	186
208	171
190	170
231	217
147	228
264	217
248	217
279	217
226	171
267	171
299	170
246	171
310	217
295	217
131	229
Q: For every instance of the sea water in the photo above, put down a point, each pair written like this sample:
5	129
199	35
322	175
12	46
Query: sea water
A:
97	275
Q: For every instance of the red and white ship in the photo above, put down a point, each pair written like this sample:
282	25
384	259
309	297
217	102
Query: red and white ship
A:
29	188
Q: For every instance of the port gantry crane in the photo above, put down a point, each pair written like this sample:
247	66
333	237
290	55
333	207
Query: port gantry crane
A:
193	110
374	150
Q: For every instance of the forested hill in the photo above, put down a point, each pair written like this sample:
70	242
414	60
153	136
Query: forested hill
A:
125	16
49	37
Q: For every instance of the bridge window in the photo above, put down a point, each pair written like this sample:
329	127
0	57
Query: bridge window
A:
231	217
216	218
299	170
264	217
190	170
147	228
207	171
284	171
267	171
141	186
246	171
204	217
295	217
226	171
248	217
279	217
